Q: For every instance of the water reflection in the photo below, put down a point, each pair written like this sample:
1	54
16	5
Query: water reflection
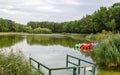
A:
46	40
9	40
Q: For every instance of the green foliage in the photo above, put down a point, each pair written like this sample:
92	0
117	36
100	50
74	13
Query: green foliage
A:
45	24
112	25
108	53
41	30
9	26
99	36
104	32
100	19
28	29
86	25
115	14
14	63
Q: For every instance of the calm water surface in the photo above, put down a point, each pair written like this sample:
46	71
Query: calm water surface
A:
48	49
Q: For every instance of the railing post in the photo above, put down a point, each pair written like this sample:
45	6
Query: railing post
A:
93	70
30	63
74	71
79	67
49	71
30	60
84	70
67	61
38	66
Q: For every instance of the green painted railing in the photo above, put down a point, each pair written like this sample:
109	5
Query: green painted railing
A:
51	69
78	65
74	69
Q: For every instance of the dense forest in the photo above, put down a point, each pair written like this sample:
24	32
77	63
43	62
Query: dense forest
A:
107	19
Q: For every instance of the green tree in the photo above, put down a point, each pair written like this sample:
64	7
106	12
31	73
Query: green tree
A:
100	19
115	14
86	24
112	25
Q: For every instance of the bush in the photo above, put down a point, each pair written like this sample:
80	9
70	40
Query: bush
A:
42	30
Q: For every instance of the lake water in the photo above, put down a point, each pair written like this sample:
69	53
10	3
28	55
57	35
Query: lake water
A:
50	49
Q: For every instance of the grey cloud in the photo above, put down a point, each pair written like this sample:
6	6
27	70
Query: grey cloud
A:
23	11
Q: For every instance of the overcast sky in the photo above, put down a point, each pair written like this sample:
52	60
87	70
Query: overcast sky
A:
23	11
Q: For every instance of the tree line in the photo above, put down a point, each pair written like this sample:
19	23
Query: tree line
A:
103	19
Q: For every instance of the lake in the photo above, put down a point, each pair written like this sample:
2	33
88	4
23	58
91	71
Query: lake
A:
50	49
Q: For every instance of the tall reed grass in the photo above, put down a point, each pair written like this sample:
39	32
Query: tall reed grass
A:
14	63
108	53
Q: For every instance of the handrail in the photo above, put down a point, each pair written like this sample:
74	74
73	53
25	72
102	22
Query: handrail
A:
62	68
52	69
80	59
73	63
39	63
78	65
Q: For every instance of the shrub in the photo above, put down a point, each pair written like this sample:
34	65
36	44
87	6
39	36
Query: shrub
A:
42	30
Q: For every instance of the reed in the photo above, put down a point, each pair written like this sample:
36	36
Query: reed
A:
14	63
108	53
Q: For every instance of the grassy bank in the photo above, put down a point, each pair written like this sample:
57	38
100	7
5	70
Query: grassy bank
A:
14	63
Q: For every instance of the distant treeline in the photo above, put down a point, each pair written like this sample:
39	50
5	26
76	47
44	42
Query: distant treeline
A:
103	19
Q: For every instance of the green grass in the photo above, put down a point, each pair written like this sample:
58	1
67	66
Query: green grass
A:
14	63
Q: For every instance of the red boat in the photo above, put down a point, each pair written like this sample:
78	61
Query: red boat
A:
87	47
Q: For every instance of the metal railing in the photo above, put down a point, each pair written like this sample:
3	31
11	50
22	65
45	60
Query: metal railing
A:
51	69
74	69
78	65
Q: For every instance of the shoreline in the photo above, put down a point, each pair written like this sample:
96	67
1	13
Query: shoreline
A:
12	33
